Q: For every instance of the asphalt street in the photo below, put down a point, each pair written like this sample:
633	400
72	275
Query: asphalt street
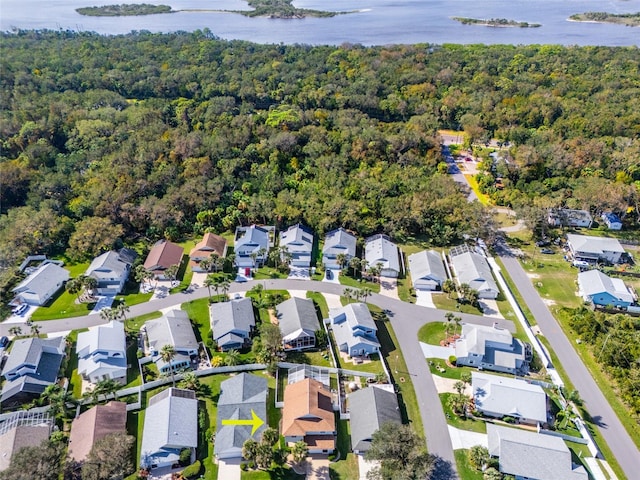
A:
406	319
612	430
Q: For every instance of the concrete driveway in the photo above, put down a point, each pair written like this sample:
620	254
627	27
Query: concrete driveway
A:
466	439
424	299
229	469
364	466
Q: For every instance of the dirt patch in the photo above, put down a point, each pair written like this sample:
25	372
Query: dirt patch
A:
548	302
272	316
533	275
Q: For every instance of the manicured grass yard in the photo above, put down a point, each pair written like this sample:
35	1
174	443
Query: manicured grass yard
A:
406	394
443	302
63	306
460	422
465	470
281	473
349	281
347	467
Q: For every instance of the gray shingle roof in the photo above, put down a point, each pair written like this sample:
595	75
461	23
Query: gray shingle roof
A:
339	241
593	282
235	317
426	267
297	238
297	314
472	268
594	245
496	345
29	351
370	408
350	323
109	264
170	424
532	455
109	337
238	397
173	328
41	280
380	249
509	396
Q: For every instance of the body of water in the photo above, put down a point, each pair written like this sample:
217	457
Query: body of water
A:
375	22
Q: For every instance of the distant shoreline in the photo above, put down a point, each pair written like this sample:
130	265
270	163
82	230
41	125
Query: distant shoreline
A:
495	22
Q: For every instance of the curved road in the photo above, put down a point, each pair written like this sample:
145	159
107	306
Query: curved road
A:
603	416
406	319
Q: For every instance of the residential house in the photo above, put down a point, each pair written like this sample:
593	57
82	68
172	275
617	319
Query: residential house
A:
594	249
95	424
102	353
308	415
427	270
338	242
612	221
380	250
369	409
354	330
499	397
173	328
41	285
302	371
170	425
241	397
298	241
32	365
492	348
566	217
22	429
473	269
298	323
532	456
111	270
163	254
251	247
604	291
232	323
210	245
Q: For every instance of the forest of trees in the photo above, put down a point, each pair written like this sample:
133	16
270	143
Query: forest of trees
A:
149	135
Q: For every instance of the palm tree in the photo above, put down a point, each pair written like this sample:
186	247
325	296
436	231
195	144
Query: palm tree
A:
172	273
206	264
342	260
449	286
366	292
355	263
232	358
225	285
74	287
122	310
274	256
57	399
108	314
190	382
167	354
15	331
35	328
89	284
348	293
209	282
299	451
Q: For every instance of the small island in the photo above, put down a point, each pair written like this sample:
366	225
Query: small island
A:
124	10
281	9
628	19
496	22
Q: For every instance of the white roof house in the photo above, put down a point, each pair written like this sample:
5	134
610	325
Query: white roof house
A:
354	329
232	323
298	240
298	322
41	285
525	454
170	425
498	396
102	352
111	270
473	269
569	218
337	242
594	249
491	348
379	249
251	246
427	270
173	328
603	290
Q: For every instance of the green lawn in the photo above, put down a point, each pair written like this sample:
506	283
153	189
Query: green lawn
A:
321	302
460	422
347	467
280	473
516	293
484	199
63	306
443	302
554	278
321	359
349	281
398	369
134	324
465	470
432	333
405	290
198	311
613	400
454	373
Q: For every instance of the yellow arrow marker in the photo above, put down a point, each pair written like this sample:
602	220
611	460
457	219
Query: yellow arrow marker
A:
255	421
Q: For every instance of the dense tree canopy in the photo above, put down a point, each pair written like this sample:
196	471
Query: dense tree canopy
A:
146	131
